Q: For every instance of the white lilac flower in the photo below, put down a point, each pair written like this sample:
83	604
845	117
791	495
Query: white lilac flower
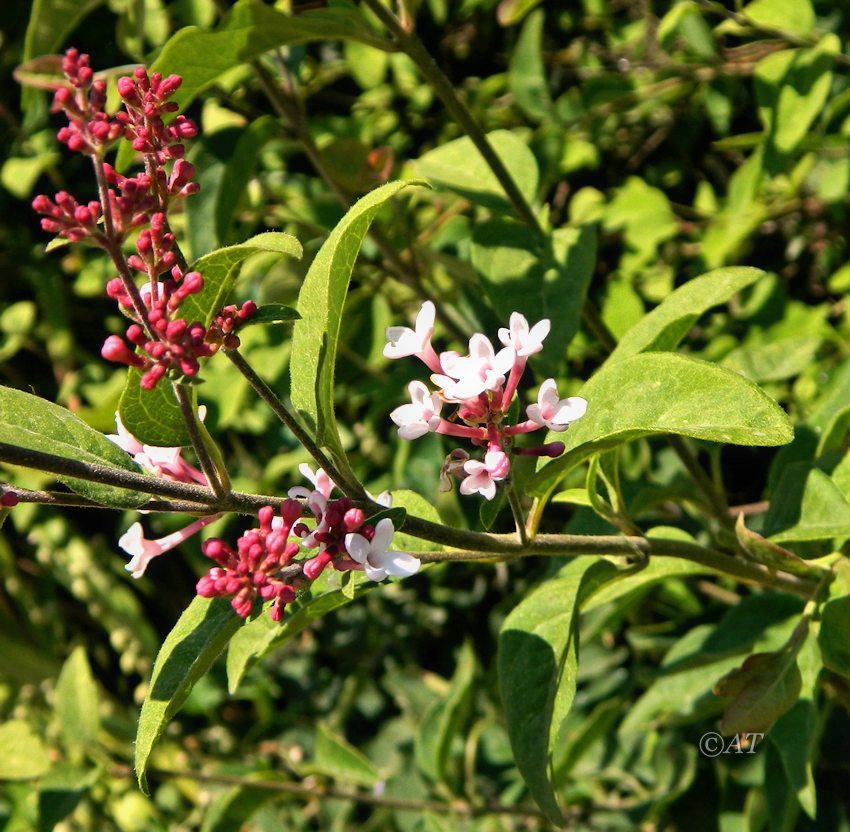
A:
553	412
322	483
143	551
481	477
467	376
523	340
377	558
403	341
419	417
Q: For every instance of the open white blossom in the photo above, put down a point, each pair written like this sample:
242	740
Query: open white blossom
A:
377	558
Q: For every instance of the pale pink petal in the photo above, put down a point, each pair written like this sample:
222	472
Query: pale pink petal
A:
401	564
357	546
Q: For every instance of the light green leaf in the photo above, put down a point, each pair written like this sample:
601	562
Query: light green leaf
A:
262	635
418	506
770	554
796	16
459	167
337	758
539	276
511	12
657	393
538	662
153	416
527	77
38	425
77	702
320	304
666	325
250	29
442	721
24	756
792	88
50	23
776	360
187	653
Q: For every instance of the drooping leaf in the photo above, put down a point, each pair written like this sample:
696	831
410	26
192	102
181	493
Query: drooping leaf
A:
38	425
24	756
77	702
187	653
538	662
459	167
541	276
320	304
769	553
763	688
273	313
657	393
666	325
337	758
442	721
153	416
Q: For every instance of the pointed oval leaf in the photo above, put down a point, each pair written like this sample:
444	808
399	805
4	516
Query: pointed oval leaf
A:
538	663
187	653
24	755
337	758
320	304
666	325
658	393
77	701
39	425
459	167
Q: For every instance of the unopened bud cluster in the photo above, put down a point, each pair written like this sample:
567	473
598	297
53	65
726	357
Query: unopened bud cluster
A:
159	341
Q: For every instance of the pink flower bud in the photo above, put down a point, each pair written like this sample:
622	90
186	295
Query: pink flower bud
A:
114	349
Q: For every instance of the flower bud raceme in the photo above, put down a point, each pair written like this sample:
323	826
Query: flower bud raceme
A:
482	384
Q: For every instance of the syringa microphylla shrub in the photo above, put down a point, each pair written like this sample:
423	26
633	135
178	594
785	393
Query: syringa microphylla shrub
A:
575	477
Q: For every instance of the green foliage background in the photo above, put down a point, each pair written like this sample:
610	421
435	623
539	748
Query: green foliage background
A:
655	141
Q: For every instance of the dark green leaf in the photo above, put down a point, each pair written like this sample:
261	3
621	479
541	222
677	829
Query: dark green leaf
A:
834	635
152	416
186	655
538	662
539	276
38	425
273	313
337	758
527	76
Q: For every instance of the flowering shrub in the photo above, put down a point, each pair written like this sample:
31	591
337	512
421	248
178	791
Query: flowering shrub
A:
653	437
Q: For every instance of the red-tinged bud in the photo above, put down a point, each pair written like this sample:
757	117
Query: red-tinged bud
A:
114	349
266	513
247	310
192	283
353	519
170	85
189	366
176	329
135	334
551	449
316	565
290	511
151	377
42	204
9	499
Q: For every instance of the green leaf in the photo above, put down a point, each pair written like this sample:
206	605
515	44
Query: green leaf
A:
763	688
770	554
666	325
416	505
459	167
320	304
77	702
792	88
154	416
538	662
38	425
250	29
657	393
24	756
539	276
60	792
776	360
806	505
527	77
261	635
443	720
796	16
337	758
794	736
220	268
50	23
187	653
511	12
832	637
273	313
